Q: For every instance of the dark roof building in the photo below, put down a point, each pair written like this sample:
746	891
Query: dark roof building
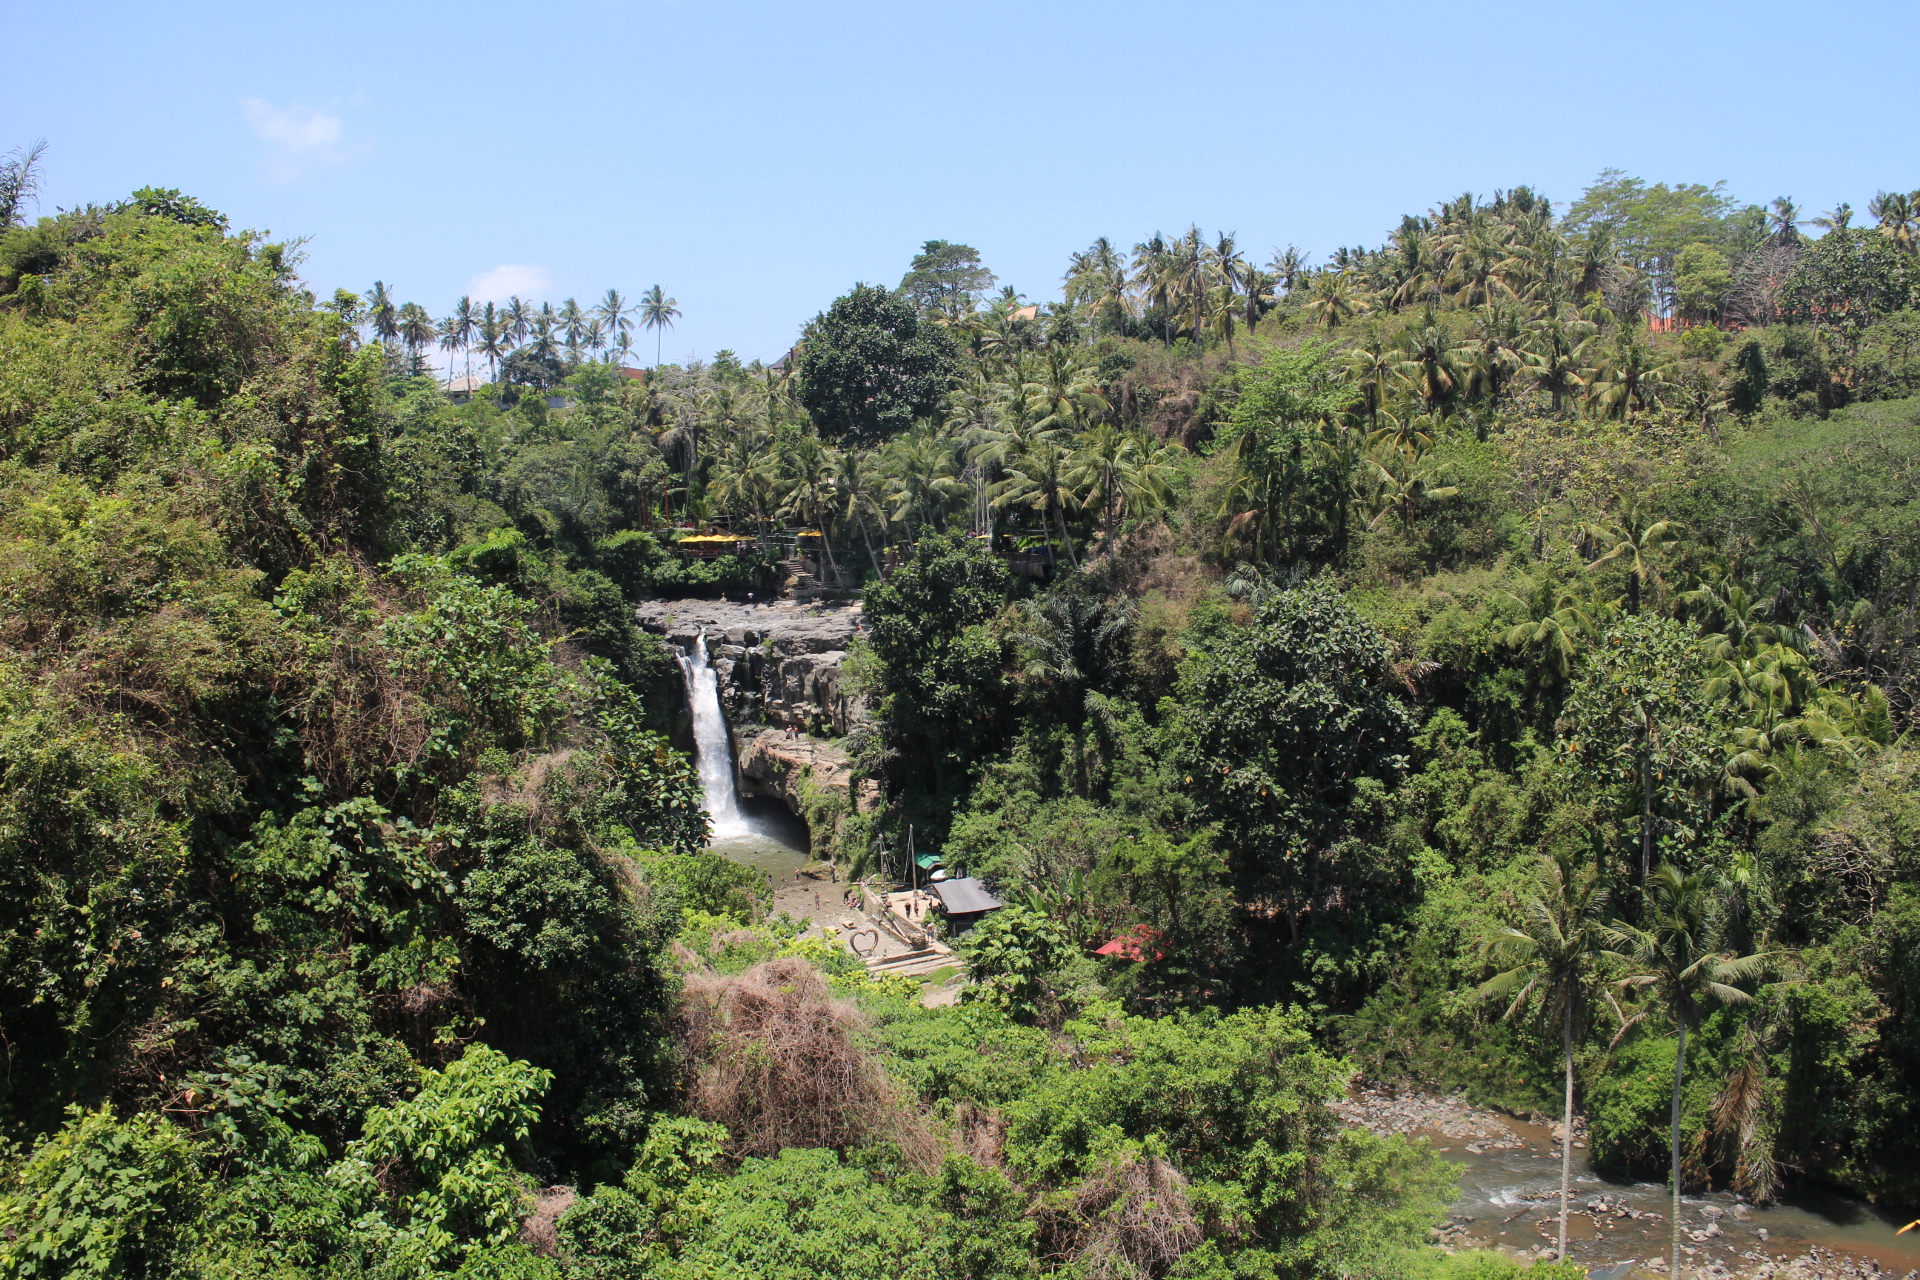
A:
965	897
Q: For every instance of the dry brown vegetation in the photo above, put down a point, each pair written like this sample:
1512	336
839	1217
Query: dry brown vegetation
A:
1129	1220
770	1055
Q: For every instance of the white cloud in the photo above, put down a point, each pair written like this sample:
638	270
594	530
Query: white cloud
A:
508	280
298	138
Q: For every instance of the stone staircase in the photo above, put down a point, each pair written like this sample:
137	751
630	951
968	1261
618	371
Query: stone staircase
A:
801	584
914	964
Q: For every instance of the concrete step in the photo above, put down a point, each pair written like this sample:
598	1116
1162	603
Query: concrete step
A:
914	964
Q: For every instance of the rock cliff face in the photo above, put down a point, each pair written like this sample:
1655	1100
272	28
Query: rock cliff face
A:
775	764
778	668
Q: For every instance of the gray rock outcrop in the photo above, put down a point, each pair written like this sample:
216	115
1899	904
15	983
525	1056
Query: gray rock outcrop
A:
776	664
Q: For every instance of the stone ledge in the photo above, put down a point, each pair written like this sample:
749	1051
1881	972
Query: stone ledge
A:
776	765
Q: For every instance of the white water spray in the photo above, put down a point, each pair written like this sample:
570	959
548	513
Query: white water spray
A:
713	749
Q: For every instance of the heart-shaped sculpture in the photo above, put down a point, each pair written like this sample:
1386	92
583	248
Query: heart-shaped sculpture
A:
873	943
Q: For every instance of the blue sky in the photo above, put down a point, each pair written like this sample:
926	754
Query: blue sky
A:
757	159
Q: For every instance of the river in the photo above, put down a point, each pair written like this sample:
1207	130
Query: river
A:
1509	1196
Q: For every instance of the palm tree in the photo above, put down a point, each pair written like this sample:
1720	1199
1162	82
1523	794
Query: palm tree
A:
1555	353
1630	377
519	320
1550	957
809	468
1895	213
1102	465
1783	219
1678	960
617	315
1039	480
1557	631
858	495
657	312
1370	365
573	324
449	332
382	314
1289	267
1634	539
1432	361
20	183
1404	487
743	475
416	330
1333	299
465	321
493	340
1838	218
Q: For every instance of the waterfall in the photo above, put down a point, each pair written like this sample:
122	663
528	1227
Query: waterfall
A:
713	749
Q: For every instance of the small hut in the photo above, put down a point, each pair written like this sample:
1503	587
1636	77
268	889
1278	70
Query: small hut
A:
964	902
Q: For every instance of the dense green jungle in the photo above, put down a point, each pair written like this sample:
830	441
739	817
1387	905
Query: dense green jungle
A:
1486	660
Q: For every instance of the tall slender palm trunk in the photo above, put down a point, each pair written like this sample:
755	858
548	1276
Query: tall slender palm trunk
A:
1566	1124
827	545
1060	519
1679	1070
867	538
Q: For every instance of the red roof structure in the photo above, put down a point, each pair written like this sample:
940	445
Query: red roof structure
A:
1134	944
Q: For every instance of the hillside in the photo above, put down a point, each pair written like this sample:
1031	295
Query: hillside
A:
1484	662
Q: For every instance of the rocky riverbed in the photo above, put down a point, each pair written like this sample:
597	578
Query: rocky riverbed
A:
1509	1200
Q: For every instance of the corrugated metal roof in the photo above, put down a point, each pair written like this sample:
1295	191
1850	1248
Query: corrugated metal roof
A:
966	896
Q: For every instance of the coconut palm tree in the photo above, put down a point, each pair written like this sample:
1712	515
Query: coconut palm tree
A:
658	312
1100	471
859	495
382	314
573	324
1403	486
1895	213
1634	538
463	322
1783	221
1555	353
20	183
1431	361
1039	479
1333	298
810	470
616	314
519	320
1548	962
449	342
543	339
1370	365
1677	959
1838	218
417	330
1630	377
1289	267
1559	628
493	340
743	477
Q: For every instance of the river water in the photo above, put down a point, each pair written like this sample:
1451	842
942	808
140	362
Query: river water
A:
1512	1197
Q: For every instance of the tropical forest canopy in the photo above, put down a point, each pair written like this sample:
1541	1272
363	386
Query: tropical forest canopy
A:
1476	658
